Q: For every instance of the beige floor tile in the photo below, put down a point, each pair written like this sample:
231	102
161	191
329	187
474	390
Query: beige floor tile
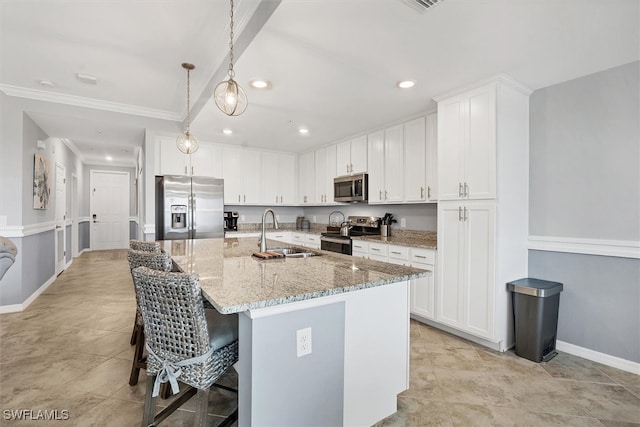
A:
606	401
111	413
417	413
103	379
571	367
110	344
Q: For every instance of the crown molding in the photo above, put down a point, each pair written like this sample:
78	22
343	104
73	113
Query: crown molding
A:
612	248
78	101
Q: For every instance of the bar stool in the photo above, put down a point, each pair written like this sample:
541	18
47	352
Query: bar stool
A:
157	261
184	341
141	245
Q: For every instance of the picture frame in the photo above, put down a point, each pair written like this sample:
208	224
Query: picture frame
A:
41	181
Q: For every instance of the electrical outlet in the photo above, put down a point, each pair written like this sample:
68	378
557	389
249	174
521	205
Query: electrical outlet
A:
303	342
403	222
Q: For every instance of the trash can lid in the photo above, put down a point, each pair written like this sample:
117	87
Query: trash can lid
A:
535	287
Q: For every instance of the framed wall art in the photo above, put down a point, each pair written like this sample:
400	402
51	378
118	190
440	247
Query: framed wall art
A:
41	182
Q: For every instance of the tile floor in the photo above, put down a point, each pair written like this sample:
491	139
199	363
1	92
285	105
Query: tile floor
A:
69	350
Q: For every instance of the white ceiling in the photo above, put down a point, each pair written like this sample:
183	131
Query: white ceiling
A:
333	64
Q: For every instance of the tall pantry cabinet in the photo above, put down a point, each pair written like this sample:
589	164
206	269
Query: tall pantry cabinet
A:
483	170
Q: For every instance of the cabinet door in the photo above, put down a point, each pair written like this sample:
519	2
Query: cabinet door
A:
450	265
321	173
270	178
479	290
287	182
415	184
393	164
330	173
375	161
207	161
359	154
431	148
172	161
451	133
423	293
343	158
251	176
480	148
307	177
232	174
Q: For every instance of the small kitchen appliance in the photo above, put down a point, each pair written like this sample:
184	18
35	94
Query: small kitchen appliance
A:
231	220
351	188
336	241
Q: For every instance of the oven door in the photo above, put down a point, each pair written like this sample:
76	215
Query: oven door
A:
336	244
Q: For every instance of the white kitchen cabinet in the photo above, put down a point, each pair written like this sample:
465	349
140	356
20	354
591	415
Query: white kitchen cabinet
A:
280	236
298	238
378	251
359	248
351	156
398	254
306	178
467	144
278	178
242	171
422	292
420	161
386	162
312	241
325	171
482	243
207	161
431	139
466	243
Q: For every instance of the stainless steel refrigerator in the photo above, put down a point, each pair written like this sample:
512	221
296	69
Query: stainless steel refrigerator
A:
189	207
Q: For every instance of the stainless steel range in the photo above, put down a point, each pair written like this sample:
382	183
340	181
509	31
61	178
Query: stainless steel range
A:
358	226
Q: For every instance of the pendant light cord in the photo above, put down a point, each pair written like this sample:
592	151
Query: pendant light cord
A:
188	102
231	72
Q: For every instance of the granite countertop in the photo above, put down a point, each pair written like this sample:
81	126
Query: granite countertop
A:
234	281
412	241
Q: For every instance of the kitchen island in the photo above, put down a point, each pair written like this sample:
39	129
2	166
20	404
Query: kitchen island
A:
355	313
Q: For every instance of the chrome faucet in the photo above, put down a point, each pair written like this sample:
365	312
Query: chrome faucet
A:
263	237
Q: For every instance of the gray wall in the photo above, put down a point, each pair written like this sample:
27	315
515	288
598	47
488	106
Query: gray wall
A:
84	241
585	183
585	155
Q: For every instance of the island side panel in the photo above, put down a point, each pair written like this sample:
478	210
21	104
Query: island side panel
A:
277	388
376	352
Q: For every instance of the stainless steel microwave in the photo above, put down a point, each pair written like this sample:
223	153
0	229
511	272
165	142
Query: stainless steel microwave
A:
351	188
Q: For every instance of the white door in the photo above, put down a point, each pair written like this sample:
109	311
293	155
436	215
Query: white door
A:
449	288
109	210
60	214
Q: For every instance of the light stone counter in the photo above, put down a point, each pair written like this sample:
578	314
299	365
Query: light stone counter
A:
234	281
414	242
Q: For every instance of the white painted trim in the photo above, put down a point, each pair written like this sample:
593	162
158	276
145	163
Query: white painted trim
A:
614	248
68	222
13	308
500	78
133	219
67	265
497	346
84	219
596	356
149	229
97	104
27	230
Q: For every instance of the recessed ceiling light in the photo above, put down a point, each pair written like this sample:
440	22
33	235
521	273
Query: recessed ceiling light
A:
46	83
406	84
109	158
303	131
260	83
227	131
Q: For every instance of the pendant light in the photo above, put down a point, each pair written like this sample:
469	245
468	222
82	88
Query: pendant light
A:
228	95
186	142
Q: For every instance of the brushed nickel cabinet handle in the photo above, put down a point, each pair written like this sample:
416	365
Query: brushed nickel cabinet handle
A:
459	213
238	198
380	196
244	198
465	214
385	194
185	169
460	190
429	192
422	192
466	190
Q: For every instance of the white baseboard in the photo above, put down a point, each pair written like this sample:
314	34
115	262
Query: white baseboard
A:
13	308
596	356
497	346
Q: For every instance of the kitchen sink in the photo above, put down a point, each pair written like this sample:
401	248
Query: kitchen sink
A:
293	252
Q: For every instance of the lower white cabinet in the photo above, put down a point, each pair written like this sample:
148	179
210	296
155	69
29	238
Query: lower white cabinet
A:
308	240
359	248
423	289
466	280
280	236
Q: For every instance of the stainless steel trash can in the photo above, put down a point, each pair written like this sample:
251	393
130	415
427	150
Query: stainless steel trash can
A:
535	312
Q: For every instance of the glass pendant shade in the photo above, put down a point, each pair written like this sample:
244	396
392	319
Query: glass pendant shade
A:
230	98
187	143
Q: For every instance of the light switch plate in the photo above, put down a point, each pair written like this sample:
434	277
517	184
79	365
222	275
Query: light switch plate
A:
403	222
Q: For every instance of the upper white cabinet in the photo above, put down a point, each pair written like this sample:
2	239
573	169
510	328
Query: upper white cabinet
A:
420	161
306	178
325	171
279	181
386	163
242	171
482	243
207	161
467	145
431	140
351	156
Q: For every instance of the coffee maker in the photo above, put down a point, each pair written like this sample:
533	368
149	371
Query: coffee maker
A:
231	220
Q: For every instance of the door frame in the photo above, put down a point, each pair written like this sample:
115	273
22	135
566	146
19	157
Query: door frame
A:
92	173
60	224
75	197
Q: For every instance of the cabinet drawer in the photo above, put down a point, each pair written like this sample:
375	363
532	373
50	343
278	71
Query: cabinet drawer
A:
378	249
312	238
398	252
359	246
297	238
423	256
